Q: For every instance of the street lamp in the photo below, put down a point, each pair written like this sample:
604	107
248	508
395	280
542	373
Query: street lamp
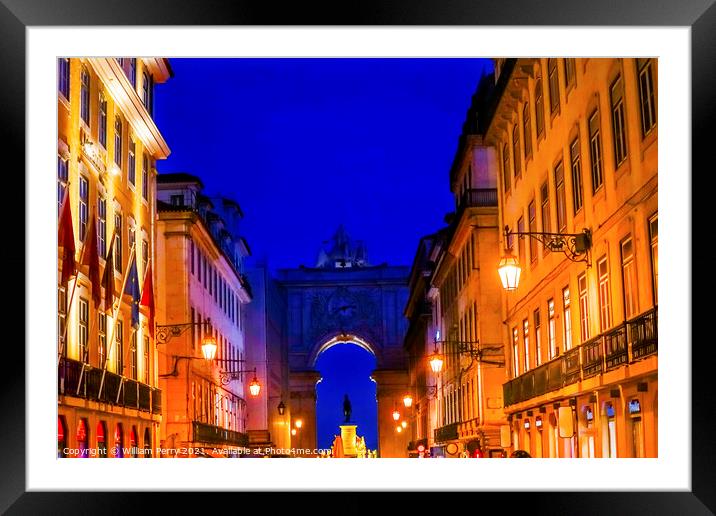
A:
208	348
408	401
396	415
509	271
281	408
404	424
399	429
293	431
254	386
575	247
436	361
299	423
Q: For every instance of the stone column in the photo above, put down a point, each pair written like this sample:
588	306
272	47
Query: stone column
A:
392	384
303	406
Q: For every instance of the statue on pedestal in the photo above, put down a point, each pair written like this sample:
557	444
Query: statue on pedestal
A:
347	409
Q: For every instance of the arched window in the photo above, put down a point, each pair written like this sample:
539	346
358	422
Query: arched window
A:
553	77
539	106
133	441
85	96
102	440
147	443
83	438
527	130
61	436
118	441
118	141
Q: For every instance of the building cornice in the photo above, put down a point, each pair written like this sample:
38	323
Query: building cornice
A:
131	105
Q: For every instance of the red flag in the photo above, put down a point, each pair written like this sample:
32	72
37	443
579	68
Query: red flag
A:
91	260
108	277
66	240
148	296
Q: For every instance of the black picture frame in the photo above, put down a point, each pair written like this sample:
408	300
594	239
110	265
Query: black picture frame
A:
699	15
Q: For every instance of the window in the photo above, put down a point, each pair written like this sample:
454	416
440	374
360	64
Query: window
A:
83	206
118	141
567	319
85	96
191	255
532	214
131	164
61	319
62	179
133	71
102	340
538	336
546	224
583	308
145	256
132	233
133	361
631	305
118	242
526	341
145	90
553	85
145	177
539	106
654	245
102	227
102	131
63	77
551	330
146	360
119	347
516	150
515	352
575	160
570	69
520	240
561	201
610	450
506	166
83	330
595	151
527	130
605	319
647	102
176	200
616	93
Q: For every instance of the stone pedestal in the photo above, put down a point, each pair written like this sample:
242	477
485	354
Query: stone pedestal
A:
348	439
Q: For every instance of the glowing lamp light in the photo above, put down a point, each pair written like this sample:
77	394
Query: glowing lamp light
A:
404	424
299	423
293	431
436	362
399	429
254	387
509	270
396	415
408	401
208	348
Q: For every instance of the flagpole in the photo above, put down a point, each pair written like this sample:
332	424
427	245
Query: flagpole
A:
74	287
114	321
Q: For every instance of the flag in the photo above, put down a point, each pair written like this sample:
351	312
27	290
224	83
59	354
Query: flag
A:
132	289
108	278
148	297
66	240
91	260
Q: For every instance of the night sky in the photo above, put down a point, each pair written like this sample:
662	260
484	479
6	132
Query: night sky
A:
304	145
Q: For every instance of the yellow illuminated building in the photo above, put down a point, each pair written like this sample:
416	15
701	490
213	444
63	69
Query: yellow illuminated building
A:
576	143
108	401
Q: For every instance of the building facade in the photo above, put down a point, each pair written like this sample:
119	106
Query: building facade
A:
269	413
109	404
577	141
201	293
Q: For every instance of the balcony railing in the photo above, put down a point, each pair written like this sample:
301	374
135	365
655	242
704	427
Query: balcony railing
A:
115	391
478	198
446	433
632	341
205	433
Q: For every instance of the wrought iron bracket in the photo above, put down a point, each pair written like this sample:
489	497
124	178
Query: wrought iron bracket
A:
477	352
165	332
575	246
228	376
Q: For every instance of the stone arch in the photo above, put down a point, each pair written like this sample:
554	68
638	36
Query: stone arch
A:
334	338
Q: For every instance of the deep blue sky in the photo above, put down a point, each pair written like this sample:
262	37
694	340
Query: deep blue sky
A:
345	369
306	144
